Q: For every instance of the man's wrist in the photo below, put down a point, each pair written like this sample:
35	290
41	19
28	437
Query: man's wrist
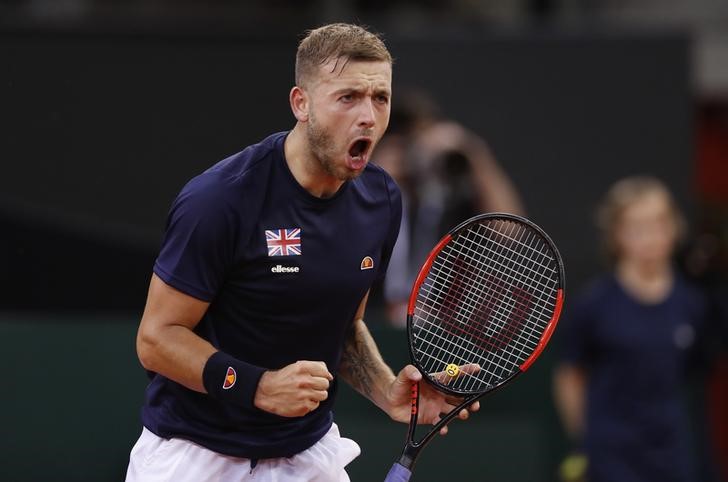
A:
382	395
231	380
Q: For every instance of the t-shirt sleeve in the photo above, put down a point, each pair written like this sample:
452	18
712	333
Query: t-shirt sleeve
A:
575	334
198	245
395	202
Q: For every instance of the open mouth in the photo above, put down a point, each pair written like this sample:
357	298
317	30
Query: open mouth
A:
359	152
359	147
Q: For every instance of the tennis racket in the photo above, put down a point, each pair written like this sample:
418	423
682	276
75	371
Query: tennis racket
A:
489	295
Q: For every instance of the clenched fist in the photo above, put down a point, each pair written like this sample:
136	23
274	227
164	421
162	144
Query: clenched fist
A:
294	390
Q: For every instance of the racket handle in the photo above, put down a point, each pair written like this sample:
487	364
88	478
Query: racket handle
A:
398	473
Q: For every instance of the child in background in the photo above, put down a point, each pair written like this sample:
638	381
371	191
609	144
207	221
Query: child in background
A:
619	385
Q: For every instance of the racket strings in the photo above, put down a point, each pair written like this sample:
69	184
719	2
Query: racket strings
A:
455	291
508	330
490	343
486	299
502	270
539	281
462	352
520	299
531	274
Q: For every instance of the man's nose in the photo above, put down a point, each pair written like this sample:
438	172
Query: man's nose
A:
366	113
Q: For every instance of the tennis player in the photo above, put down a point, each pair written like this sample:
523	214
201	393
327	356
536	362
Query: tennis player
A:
255	307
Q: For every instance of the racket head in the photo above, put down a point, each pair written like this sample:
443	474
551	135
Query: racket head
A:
485	303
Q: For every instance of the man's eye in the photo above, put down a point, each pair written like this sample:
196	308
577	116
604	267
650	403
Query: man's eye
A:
383	99
346	98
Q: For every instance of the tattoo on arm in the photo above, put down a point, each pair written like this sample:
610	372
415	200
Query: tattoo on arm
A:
361	361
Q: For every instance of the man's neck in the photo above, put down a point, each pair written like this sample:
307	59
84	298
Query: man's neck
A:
304	166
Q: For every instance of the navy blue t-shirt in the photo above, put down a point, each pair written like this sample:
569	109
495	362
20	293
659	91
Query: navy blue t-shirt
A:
284	271
634	355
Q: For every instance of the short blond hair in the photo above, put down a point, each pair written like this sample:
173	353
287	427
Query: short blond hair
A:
337	41
623	194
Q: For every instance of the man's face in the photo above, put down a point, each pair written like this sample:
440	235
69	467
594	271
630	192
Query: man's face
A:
348	114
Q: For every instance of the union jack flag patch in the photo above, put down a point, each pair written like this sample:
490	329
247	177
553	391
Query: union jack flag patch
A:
283	242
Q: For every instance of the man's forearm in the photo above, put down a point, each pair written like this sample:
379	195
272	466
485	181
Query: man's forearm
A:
362	365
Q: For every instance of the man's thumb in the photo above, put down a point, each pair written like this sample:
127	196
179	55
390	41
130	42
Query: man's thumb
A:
409	374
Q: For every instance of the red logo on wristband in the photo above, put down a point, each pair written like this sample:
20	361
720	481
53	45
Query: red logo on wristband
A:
230	378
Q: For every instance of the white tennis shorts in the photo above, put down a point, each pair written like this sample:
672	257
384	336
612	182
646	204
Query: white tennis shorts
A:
155	459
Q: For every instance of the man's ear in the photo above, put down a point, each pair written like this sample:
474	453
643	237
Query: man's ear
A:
299	103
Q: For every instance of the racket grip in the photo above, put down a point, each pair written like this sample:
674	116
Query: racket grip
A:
398	473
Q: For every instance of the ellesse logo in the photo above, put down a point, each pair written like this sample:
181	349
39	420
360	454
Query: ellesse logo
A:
284	269
230	378
366	263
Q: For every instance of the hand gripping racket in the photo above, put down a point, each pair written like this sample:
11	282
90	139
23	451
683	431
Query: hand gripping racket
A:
489	294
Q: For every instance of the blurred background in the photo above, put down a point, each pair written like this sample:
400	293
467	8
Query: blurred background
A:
108	107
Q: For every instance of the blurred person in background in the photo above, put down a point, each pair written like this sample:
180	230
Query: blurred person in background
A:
626	344
447	174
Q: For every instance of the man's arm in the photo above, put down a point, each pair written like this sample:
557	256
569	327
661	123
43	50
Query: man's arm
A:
167	344
165	341
363	368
